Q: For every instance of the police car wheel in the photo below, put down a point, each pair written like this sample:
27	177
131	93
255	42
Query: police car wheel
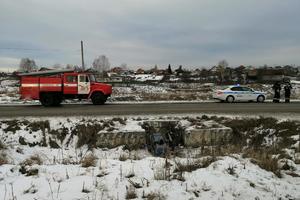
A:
230	99
260	99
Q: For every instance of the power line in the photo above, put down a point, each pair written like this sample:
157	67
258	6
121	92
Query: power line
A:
31	49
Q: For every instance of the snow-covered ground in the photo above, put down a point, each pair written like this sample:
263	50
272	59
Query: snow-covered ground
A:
35	170
9	92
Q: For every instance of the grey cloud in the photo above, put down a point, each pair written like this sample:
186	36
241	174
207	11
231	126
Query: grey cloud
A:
141	32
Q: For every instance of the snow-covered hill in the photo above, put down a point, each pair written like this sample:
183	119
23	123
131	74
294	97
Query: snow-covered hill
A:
55	158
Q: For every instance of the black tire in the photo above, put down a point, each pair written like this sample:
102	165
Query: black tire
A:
47	99
57	100
260	99
230	99
98	98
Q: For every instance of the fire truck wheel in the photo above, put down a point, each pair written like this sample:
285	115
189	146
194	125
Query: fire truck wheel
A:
57	100
47	99
98	98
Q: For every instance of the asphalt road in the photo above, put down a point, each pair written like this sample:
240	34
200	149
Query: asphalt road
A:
264	109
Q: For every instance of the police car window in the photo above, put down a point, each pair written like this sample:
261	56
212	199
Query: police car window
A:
71	79
236	89
247	89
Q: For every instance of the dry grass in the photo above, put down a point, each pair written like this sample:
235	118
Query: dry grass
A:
188	166
159	174
293	174
192	165
264	160
131	156
3	159
89	161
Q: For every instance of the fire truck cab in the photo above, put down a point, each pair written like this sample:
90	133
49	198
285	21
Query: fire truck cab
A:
53	86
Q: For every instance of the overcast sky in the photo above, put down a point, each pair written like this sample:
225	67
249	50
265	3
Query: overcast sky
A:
147	32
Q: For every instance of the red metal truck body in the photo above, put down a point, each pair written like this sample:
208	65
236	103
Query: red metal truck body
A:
51	87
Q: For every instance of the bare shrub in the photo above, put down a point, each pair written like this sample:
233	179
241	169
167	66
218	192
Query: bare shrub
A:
33	160
26	165
240	126
38	125
120	120
60	133
12	126
130	193
89	161
87	134
28	170
155	196
123	157
2	146
287	128
231	170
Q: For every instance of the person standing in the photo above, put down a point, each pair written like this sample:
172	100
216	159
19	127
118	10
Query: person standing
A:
287	91
276	87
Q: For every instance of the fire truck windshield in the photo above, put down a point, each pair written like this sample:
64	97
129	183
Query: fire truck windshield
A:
92	78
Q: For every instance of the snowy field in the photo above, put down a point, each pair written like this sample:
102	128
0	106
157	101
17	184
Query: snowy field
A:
58	158
164	92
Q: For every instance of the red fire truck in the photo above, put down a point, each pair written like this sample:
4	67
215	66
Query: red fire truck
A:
51	87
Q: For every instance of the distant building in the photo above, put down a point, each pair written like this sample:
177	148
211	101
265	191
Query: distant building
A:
140	71
117	70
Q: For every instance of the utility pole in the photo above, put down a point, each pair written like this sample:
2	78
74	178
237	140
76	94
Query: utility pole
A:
82	59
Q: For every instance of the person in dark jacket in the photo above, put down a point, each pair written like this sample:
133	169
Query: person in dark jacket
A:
276	87
287	91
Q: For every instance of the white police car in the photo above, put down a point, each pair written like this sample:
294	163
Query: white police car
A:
239	93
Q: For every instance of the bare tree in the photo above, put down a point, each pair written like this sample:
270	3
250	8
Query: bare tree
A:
101	64
222	65
123	66
27	65
57	66
70	66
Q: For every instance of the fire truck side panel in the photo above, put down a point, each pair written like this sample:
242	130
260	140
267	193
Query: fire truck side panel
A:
50	84
51	88
29	87
70	83
99	87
